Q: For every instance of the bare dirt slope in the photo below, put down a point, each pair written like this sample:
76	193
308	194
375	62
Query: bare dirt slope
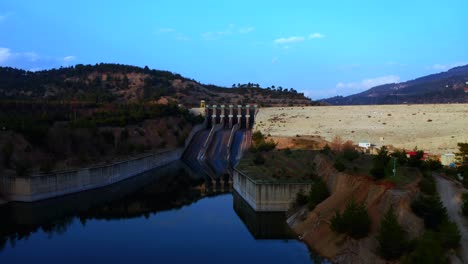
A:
434	128
450	194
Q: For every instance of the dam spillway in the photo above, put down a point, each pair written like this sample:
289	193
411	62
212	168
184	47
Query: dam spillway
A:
217	149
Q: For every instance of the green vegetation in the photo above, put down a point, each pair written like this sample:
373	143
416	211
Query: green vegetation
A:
441	234
116	83
381	161
426	249
279	165
318	193
354	221
462	162
465	204
259	143
431	209
70	134
338	165
392	238
300	200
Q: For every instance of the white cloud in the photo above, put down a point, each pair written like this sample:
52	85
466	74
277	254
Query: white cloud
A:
31	60
289	40
69	58
367	83
446	67
5	54
316	36
230	30
344	89
246	30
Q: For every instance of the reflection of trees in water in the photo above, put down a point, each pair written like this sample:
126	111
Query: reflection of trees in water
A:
172	190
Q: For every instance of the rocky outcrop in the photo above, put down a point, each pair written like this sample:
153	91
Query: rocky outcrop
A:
314	227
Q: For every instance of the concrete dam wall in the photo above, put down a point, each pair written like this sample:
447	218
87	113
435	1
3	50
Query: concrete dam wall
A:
267	196
40	187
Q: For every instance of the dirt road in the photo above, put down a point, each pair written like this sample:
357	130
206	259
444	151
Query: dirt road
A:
451	194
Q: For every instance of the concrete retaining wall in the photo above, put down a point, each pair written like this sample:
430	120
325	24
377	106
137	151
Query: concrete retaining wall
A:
267	196
39	187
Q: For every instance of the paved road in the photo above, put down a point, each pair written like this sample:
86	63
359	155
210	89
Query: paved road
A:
450	194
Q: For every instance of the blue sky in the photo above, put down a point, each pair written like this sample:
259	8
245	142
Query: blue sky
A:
322	48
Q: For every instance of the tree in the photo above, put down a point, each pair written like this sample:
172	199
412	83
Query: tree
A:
354	221
462	154
317	194
465	204
417	159
380	163
428	250
462	161
392	238
449	234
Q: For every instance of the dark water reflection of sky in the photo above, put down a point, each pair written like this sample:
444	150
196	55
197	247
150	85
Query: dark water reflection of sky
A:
142	227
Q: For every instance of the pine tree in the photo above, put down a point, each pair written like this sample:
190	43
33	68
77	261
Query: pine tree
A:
392	238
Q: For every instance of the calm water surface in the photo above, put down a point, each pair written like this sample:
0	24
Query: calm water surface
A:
165	216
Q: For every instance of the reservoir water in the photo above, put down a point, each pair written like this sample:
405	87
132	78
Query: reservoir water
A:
168	215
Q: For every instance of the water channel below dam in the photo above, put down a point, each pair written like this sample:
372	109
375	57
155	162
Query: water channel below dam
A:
167	215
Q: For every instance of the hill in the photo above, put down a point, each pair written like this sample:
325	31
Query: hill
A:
446	87
104	83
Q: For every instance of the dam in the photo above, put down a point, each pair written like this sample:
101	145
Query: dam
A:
216	149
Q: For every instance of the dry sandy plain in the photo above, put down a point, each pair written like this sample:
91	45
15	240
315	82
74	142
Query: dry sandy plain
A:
433	128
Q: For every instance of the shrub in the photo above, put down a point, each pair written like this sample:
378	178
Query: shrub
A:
339	166
449	234
428	186
23	167
326	150
378	170
431	209
392	238
318	193
434	164
301	198
259	159
428	249
401	157
465	204
415	160
46	166
257	137
349	152
7	151
266	146
354	221
381	160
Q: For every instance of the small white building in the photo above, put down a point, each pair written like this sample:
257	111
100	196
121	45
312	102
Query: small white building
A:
447	159
364	145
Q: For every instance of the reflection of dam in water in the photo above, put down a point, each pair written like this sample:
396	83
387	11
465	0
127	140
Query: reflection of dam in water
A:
262	225
217	149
